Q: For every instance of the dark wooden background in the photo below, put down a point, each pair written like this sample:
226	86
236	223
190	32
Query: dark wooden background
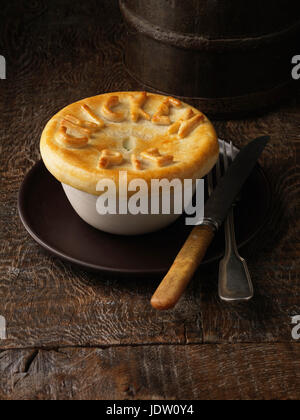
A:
76	335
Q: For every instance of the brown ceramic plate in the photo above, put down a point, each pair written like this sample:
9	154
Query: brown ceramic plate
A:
52	222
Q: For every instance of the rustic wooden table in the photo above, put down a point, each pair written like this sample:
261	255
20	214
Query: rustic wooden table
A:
76	335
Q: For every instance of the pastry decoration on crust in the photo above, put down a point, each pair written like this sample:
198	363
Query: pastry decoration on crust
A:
155	156
187	124
100	123
136	162
86	128
162	115
83	127
110	157
167	137
137	102
183	127
71	140
107	111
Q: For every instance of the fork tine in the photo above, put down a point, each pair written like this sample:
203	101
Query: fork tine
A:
225	156
231	152
218	166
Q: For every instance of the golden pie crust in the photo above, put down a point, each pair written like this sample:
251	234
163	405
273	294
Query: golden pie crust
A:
148	135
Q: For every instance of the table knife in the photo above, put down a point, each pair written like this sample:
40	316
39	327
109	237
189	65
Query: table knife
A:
216	210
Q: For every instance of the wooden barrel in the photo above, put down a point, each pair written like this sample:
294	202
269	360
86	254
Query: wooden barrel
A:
233	57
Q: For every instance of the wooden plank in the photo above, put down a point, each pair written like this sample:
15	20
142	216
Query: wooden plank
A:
57	54
48	303
209	372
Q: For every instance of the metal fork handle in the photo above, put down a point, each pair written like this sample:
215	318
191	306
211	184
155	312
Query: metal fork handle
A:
235	284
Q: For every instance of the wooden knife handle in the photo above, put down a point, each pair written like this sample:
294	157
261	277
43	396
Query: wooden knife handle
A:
184	267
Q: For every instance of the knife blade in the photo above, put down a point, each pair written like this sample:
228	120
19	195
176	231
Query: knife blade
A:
229	187
216	210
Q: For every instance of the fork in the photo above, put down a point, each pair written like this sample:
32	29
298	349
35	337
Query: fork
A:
235	283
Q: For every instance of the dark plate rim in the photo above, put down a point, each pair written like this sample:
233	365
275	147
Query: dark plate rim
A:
112	270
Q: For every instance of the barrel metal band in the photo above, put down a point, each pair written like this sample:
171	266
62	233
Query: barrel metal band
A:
195	42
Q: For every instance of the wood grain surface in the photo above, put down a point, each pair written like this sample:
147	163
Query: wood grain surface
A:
153	372
66	326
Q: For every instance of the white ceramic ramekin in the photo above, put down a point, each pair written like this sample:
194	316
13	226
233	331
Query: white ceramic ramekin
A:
85	206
